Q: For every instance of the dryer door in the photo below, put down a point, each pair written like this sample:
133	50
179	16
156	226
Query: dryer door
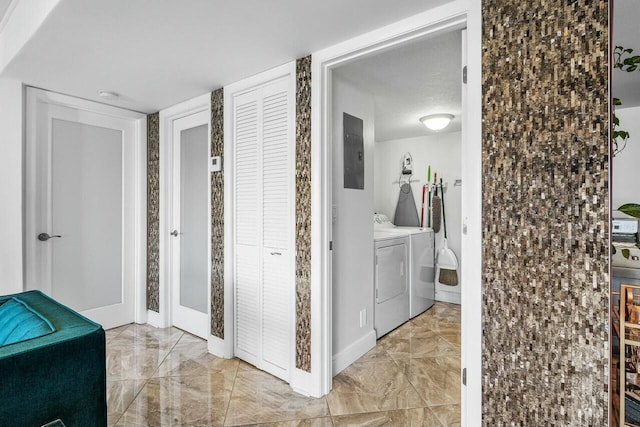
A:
391	271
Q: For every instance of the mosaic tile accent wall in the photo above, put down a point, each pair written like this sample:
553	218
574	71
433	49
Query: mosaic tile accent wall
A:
303	213
217	217
153	212
545	212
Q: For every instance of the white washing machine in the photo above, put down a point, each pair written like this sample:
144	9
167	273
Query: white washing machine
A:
421	262
391	281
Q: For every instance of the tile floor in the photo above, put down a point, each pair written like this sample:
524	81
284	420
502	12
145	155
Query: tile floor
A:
166	377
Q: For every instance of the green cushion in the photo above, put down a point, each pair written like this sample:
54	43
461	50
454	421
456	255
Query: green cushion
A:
19	322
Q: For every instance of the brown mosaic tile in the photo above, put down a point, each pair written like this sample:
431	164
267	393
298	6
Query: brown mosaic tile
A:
153	212
303	213
545	212
217	217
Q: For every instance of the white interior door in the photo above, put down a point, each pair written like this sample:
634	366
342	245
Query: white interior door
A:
80	236
262	134
190	223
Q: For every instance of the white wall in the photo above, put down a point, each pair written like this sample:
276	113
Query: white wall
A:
11	106
352	231
626	173
442	152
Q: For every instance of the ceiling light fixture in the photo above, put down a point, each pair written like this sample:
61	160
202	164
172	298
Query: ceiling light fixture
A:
436	121
107	94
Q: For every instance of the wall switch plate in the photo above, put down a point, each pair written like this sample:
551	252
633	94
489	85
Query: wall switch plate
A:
216	164
363	317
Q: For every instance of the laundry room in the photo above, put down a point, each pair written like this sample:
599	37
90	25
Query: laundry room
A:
397	127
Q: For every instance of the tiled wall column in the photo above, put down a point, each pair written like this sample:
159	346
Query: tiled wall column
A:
153	212
217	217
303	213
545	212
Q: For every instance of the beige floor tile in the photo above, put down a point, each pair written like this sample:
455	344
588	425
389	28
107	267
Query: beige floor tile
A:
114	332
147	336
191	357
415	341
436	379
133	362
375	354
436	325
246	367
449	415
260	397
416	417
120	394
309	422
370	387
174	401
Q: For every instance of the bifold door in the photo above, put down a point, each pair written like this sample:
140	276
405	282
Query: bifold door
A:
263	224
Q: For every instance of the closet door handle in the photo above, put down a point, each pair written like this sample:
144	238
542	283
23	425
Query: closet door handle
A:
276	253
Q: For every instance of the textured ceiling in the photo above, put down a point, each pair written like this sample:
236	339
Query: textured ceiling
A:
156	53
410	82
626	33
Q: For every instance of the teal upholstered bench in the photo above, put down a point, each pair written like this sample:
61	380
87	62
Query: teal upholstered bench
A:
52	364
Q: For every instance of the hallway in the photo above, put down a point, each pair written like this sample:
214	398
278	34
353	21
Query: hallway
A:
166	377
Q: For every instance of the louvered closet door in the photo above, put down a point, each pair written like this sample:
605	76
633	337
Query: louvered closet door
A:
263	145
247	242
277	223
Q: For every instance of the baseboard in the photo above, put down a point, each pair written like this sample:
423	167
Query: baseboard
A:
447	296
302	382
354	352
215	346
153	319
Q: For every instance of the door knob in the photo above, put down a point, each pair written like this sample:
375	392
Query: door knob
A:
174	233
43	237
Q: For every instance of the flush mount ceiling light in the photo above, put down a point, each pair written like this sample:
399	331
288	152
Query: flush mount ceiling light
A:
107	94
436	121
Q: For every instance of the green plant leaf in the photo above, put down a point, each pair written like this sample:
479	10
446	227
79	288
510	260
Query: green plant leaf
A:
632	209
626	253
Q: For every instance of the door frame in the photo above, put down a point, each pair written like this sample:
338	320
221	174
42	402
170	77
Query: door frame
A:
167	118
287	70
190	316
35	96
454	15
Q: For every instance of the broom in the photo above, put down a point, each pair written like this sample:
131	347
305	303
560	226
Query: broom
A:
447	261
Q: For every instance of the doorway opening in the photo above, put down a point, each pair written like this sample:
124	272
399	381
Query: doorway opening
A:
185	226
396	284
84	195
326	68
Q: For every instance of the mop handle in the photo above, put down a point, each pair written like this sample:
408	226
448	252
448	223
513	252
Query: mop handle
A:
444	216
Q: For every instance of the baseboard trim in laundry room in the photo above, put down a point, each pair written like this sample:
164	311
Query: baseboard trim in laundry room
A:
354	352
447	296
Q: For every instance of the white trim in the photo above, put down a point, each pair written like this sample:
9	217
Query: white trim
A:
287	70
354	352
167	118
453	15
216	346
22	20
301	382
153	319
140	251
138	245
